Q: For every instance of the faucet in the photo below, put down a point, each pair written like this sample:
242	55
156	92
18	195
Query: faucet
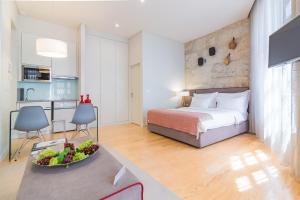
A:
27	91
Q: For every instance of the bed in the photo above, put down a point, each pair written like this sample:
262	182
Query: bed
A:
200	127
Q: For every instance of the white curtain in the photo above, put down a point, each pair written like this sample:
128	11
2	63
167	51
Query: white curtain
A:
272	111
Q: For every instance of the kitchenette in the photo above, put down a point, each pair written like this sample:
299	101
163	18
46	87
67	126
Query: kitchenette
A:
50	82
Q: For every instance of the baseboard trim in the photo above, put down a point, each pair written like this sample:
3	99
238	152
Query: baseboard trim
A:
111	124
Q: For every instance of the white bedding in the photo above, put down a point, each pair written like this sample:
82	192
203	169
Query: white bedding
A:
221	117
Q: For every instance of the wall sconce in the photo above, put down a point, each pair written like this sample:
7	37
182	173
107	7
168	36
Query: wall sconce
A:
232	44
227	60
201	61
212	51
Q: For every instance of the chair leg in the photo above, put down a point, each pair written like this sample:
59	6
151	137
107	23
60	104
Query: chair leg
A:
86	130
18	151
65	135
25	141
76	132
79	130
40	136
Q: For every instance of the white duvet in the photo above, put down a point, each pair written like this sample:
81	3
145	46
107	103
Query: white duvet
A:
220	117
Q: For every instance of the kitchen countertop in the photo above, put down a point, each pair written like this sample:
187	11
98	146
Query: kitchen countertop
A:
48	100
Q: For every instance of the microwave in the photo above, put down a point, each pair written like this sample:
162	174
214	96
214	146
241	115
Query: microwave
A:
33	73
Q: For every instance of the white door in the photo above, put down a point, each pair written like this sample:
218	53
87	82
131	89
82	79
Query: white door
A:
135	94
93	72
106	78
122	83
108	82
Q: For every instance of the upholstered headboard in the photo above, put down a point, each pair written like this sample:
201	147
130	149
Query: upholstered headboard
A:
221	90
210	90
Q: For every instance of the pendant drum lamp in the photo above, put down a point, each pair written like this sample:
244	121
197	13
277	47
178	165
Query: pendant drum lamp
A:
51	48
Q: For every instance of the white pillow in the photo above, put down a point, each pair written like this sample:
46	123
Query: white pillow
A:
234	101
238	94
207	100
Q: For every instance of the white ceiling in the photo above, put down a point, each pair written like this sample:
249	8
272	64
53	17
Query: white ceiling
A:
182	20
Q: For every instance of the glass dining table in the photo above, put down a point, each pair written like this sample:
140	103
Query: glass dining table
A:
52	109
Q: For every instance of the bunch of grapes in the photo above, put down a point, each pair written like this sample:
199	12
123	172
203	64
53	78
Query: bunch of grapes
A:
87	150
68	158
95	147
79	156
90	150
44	161
46	153
71	145
72	152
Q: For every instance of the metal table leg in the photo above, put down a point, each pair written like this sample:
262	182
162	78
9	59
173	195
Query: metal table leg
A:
9	147
97	124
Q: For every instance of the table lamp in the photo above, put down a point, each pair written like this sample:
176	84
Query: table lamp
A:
185	96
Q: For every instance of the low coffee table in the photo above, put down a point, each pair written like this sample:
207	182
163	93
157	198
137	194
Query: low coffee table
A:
90	179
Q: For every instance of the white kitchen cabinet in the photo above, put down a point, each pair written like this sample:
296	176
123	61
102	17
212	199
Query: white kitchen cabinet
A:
106	78
66	66
29	55
60	66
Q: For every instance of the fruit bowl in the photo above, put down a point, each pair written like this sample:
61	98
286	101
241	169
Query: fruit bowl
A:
68	156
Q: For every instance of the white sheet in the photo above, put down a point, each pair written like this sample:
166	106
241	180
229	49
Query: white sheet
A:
220	117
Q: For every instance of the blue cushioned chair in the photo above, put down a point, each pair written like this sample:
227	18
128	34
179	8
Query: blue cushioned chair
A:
83	116
30	118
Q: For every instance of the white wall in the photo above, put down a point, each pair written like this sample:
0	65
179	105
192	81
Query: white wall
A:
163	72
162	69
135	50
81	56
8	19
46	29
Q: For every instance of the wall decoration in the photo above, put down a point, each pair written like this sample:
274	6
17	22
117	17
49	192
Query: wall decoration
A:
227	60
232	44
201	61
214	73
212	51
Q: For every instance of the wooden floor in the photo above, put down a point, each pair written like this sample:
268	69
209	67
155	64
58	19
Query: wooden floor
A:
238	168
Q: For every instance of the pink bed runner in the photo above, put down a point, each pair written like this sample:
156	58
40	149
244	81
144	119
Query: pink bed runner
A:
179	120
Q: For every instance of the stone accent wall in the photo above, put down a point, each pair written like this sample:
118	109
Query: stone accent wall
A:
214	73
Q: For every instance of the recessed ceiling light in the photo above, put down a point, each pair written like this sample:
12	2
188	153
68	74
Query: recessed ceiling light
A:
117	25
142	1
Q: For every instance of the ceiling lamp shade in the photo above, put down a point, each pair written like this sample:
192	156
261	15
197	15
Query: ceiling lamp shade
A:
51	48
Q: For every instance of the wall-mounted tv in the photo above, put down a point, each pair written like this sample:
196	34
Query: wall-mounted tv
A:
284	44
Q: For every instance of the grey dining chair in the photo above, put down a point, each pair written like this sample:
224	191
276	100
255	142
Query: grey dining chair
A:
30	118
83	116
